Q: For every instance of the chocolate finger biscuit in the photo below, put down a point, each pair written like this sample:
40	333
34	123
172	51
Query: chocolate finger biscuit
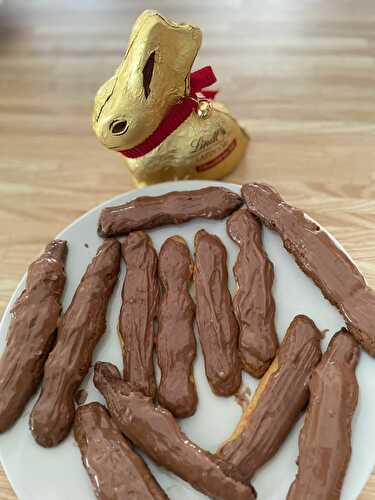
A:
31	334
140	301
116	471
324	441
176	207
156	432
320	258
253	302
278	401
175	342
217	324
82	325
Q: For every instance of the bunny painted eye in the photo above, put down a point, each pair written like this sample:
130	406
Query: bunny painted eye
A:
118	127
147	73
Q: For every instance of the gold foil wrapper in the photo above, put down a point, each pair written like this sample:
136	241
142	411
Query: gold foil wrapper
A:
152	77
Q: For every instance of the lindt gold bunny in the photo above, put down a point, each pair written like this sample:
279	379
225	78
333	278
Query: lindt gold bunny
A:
159	115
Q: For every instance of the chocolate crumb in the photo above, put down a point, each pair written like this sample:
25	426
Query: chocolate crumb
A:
81	396
243	396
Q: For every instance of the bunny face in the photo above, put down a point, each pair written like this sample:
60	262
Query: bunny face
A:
153	75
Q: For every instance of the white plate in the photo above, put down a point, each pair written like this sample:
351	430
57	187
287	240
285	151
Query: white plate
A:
57	474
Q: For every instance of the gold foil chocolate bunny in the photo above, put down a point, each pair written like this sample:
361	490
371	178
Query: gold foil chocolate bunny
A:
159	115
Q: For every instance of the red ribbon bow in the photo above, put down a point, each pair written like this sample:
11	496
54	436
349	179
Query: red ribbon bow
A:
199	80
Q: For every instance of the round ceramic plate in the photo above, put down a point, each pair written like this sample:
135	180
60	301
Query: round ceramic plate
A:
58	474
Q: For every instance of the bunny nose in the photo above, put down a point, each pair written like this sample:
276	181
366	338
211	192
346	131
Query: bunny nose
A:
118	127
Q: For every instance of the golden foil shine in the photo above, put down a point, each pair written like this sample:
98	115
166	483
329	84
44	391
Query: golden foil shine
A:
152	77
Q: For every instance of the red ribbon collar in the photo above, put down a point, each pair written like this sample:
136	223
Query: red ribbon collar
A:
199	80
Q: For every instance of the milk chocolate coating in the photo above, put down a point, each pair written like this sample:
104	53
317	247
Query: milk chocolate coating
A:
140	301
278	402
176	207
82	325
324	441
116	471
217	324
31	334
253	302
175	342
156	432
319	257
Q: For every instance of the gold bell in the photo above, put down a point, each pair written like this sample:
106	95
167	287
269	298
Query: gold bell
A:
204	108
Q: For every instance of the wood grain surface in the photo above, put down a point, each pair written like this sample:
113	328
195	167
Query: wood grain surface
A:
299	74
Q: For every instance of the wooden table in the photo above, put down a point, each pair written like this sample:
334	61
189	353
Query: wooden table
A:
300	74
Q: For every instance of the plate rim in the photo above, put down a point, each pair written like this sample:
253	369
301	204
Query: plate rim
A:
185	185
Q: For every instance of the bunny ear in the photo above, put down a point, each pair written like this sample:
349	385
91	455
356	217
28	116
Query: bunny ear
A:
148	70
